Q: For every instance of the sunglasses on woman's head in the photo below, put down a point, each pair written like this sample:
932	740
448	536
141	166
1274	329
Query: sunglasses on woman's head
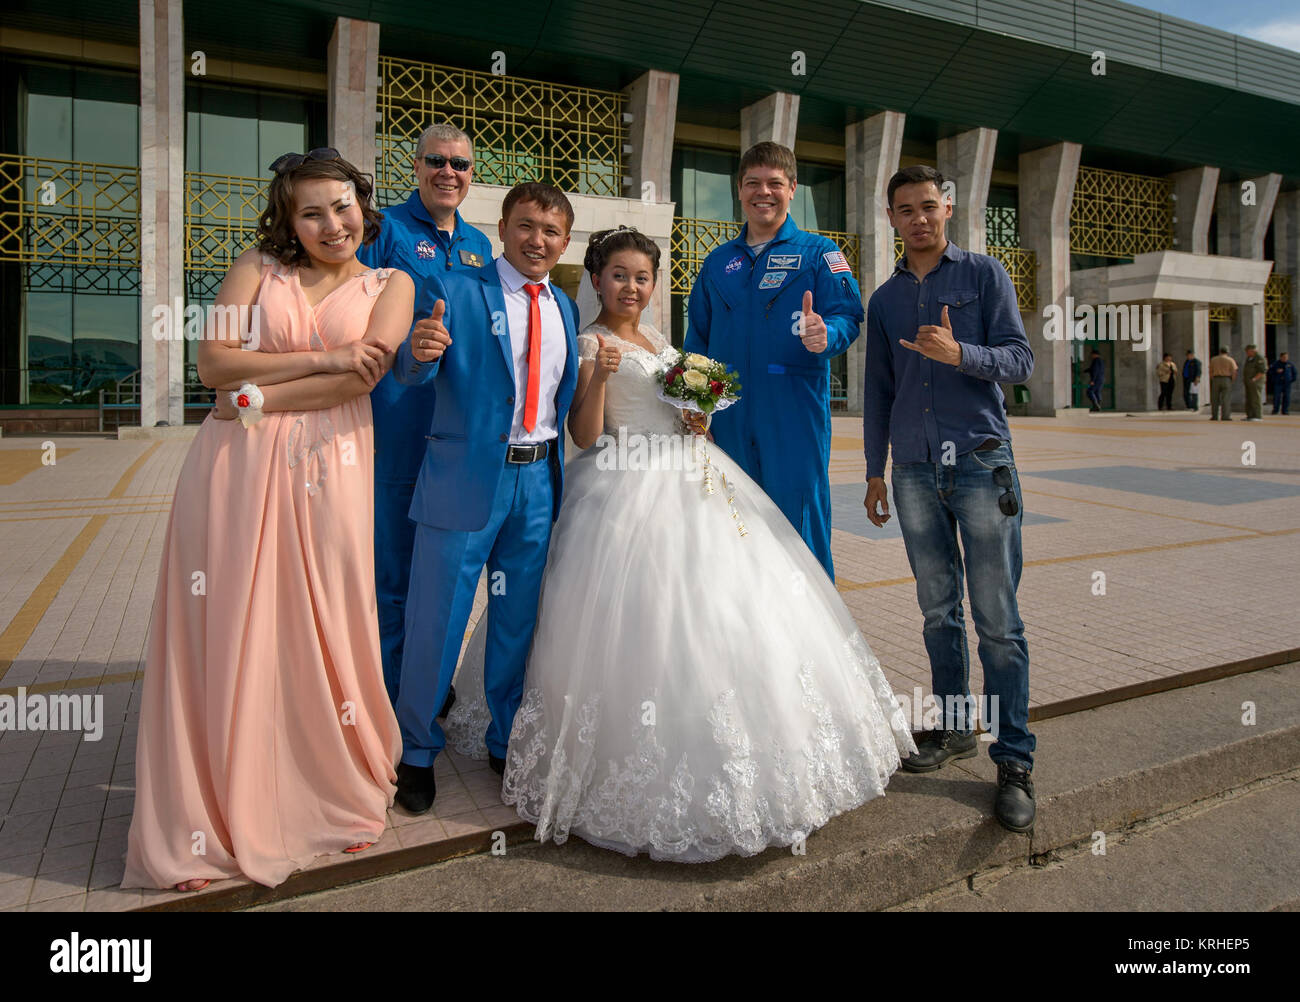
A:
437	161
292	161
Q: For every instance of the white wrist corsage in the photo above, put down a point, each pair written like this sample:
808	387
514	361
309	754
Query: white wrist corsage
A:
248	400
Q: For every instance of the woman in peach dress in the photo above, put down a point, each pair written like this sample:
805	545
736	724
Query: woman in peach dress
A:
266	735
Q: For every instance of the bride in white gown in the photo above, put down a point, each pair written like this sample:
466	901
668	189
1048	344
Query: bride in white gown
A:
696	687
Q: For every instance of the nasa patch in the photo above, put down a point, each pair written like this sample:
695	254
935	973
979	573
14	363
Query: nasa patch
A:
426	251
772	280
734	264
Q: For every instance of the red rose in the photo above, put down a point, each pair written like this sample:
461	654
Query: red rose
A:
716	387
672	377
242	400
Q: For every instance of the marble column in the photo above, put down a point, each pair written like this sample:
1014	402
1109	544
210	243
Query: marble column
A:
871	152
1047	179
1185	327
774	119
648	163
162	211
1241	231
966	159
1286	255
353	94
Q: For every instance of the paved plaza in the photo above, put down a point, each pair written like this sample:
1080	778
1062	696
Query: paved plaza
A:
1156	546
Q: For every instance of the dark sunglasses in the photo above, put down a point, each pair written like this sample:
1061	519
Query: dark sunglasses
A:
437	161
1007	503
292	161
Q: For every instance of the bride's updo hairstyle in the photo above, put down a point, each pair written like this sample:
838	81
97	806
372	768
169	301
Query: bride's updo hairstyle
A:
604	244
275	232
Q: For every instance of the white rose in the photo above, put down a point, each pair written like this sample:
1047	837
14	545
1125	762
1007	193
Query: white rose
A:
697	361
694	379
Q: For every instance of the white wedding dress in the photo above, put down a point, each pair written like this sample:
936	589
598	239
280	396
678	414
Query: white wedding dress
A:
691	692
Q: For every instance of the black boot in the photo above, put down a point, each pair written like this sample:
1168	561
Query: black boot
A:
1015	803
936	750
498	764
415	787
449	702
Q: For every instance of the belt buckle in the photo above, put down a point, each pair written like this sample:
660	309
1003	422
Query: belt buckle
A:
521	454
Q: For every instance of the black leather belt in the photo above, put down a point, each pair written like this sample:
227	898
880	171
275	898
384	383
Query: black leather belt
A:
988	445
528	453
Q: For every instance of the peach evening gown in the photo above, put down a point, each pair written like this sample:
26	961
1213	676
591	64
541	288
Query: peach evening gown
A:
266	736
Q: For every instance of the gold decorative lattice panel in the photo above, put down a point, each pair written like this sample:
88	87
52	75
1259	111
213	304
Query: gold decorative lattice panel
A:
523	130
221	214
1117	215
1278	302
69	213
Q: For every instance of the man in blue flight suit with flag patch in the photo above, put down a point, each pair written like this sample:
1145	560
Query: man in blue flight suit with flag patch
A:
777	304
424	236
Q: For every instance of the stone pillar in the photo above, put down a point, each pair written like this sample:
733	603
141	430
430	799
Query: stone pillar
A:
1286	255
774	119
1047	179
1134	372
353	98
1184	328
648	165
162	210
1241	231
966	159
871	151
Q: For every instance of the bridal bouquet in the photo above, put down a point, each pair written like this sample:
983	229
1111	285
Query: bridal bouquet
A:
696	383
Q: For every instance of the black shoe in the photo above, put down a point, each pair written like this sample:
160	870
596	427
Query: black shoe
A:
415	787
449	703
1015	804
936	750
498	764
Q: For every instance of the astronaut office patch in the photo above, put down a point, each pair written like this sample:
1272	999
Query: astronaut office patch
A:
426	251
734	264
772	280
784	262
836	261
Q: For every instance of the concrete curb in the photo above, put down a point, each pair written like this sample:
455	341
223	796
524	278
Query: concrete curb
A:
137	433
1097	770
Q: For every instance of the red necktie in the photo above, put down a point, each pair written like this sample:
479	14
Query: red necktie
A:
534	356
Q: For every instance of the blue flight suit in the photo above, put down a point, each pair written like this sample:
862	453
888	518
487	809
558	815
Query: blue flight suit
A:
411	241
744	311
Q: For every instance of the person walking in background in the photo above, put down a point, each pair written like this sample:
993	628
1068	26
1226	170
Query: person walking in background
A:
1166	374
1223	370
1096	380
1252	375
1191	381
1283	374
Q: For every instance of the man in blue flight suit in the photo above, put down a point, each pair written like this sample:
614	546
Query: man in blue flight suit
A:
777	304
423	236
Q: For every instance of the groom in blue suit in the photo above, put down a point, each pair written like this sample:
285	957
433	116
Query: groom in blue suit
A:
490	485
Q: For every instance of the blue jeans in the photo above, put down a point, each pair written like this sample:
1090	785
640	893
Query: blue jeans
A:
934	502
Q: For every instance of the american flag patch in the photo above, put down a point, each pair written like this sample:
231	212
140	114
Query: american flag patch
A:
836	261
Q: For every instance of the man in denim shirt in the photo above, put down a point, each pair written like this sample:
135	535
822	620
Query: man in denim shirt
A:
942	333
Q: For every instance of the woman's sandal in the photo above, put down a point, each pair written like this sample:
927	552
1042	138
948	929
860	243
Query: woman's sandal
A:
359	847
193	885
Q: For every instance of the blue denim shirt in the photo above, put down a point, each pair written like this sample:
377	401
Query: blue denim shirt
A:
917	404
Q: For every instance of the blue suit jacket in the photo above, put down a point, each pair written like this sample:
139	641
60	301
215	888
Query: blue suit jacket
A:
465	454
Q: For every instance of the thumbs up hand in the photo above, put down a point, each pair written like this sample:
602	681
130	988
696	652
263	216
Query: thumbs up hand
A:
429	338
812	328
936	342
608	360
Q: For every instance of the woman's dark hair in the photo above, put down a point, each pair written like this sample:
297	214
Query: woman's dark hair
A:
275	233
603	244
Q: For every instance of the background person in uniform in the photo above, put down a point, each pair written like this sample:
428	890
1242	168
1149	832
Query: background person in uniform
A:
1223	370
777	304
1252	374
1191	381
1096	380
942	333
1166	376
1283	374
493	474
423	236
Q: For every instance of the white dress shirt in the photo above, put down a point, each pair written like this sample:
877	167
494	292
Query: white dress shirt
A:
555	351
